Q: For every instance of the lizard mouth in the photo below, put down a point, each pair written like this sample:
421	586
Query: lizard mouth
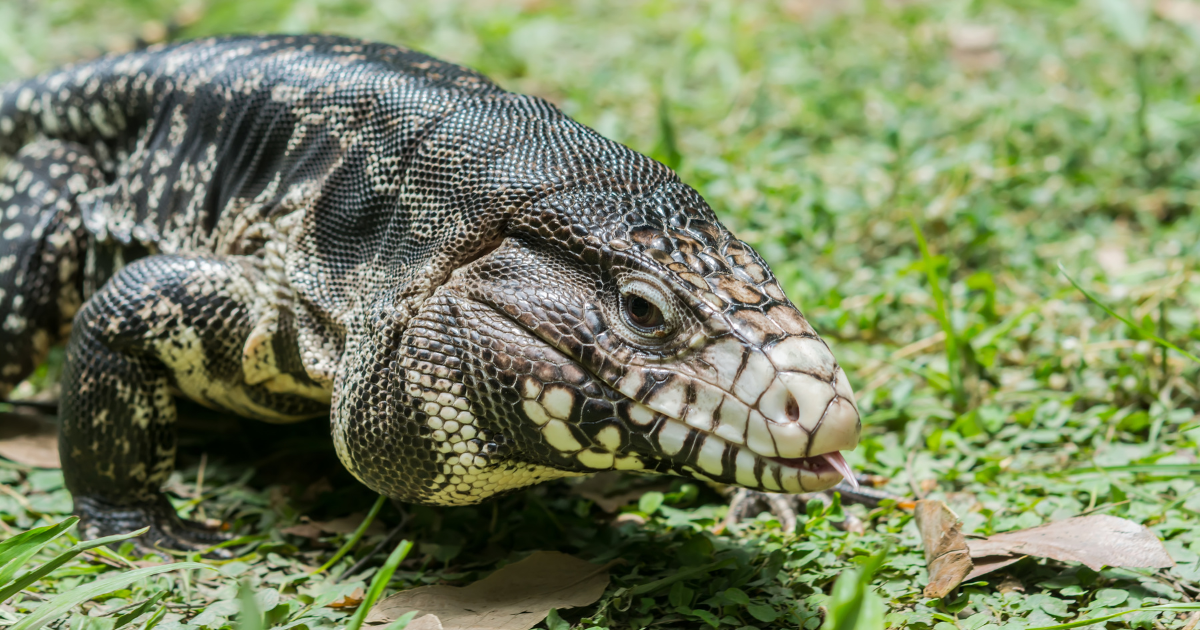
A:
708	456
821	464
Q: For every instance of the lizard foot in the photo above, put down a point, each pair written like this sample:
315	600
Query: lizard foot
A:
98	518
785	507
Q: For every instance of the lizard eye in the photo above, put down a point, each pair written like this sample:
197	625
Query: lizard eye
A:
642	313
646	311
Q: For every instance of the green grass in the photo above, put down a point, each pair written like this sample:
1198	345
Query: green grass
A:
821	132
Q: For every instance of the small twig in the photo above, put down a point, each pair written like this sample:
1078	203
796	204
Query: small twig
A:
116	563
1125	320
1191	621
387	542
1179	587
24	503
1103	507
124	608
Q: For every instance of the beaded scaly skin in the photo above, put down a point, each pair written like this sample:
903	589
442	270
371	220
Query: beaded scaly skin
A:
480	292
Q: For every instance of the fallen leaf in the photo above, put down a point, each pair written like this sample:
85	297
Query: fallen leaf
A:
1096	541
351	600
428	622
347	525
304	530
987	564
344	525
517	597
29	440
1010	584
946	554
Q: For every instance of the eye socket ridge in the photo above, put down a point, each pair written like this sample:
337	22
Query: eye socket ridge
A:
647	311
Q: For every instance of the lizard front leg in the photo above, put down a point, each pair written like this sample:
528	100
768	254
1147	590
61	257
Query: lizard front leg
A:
163	324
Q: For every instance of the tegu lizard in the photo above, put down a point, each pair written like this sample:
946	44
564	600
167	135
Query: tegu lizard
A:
479	292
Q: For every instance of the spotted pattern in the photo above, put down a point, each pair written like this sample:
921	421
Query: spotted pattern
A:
276	226
42	241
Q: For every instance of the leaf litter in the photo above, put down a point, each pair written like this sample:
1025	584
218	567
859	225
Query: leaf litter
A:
516	597
1095	541
946	553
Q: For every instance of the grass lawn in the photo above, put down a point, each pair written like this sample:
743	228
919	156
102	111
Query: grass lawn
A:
1017	136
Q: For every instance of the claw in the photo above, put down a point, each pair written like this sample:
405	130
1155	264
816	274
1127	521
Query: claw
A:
168	531
785	507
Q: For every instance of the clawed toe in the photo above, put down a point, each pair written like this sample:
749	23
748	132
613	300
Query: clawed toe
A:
167	531
747	504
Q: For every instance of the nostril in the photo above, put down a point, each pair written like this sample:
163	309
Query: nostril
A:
792	408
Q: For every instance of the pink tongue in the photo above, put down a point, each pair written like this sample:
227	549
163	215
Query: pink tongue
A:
839	464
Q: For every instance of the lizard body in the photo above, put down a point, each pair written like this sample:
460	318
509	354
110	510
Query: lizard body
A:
480	292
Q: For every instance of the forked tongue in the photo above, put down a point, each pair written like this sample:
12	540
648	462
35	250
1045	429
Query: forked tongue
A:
839	464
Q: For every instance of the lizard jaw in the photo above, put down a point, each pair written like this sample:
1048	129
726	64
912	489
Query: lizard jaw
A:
823	463
710	457
783	431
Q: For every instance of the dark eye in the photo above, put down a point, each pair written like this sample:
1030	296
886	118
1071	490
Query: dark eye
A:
642	313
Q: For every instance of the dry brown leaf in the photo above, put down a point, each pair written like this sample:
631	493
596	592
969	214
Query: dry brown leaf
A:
517	597
946	554
987	564
347	525
428	622
351	600
344	525
29	440
1010	584
1096	541
303	530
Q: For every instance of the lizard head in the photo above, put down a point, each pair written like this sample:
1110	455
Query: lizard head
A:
597	317
649	340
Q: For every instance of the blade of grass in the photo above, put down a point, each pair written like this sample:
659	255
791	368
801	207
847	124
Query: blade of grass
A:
679	575
16	551
140	610
402	621
63	558
1088	622
1128	322
58	606
250	617
1162	469
379	583
668	149
852	605
155	618
943	317
355	537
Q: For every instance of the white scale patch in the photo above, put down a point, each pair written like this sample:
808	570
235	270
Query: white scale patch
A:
559	435
183	353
